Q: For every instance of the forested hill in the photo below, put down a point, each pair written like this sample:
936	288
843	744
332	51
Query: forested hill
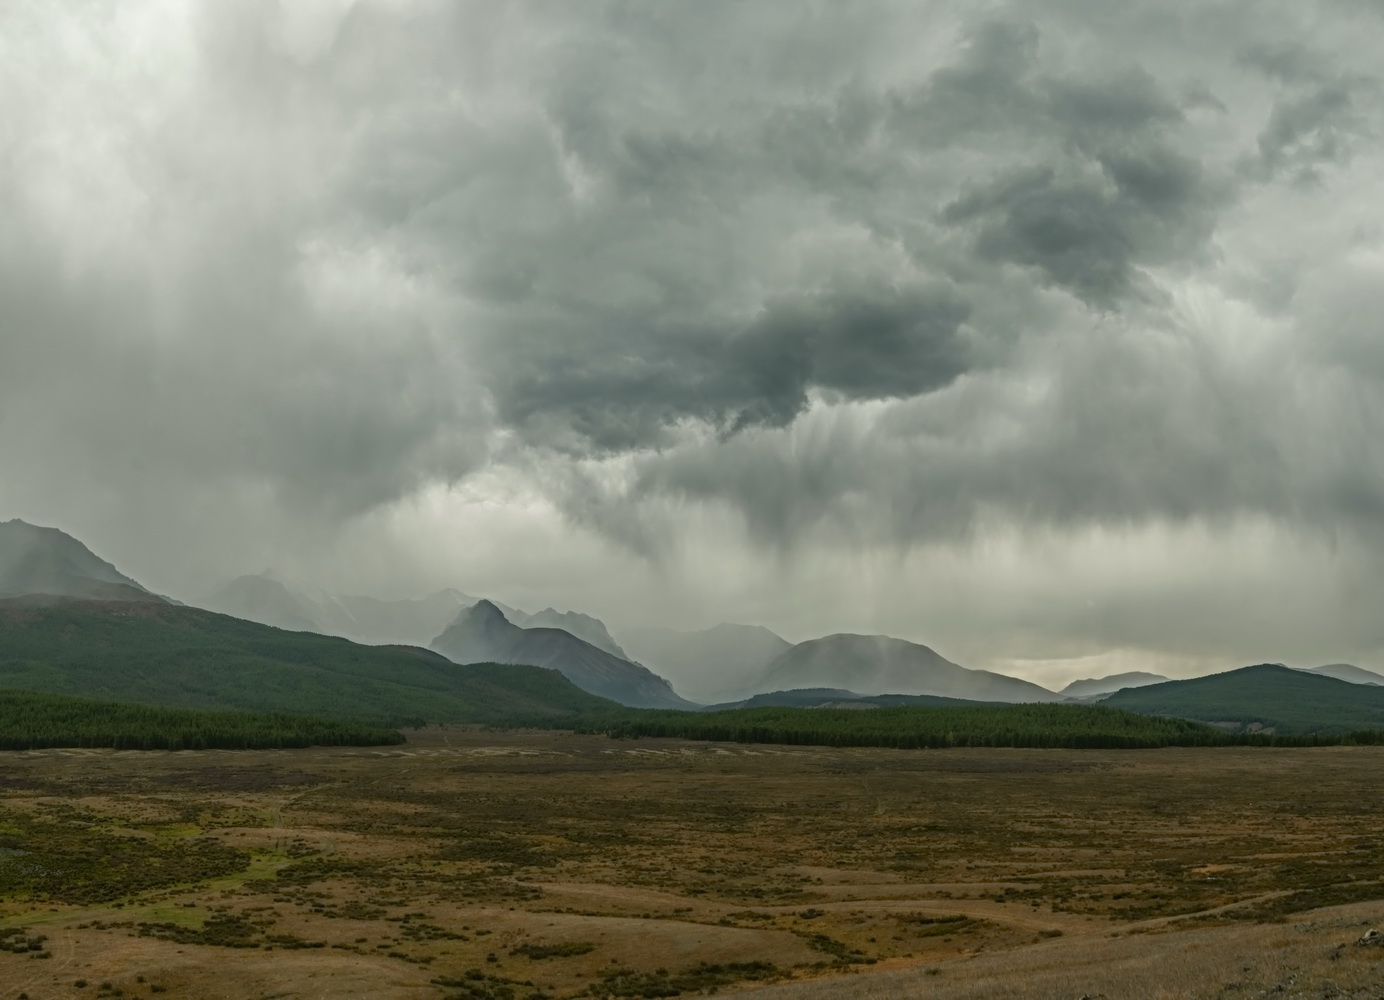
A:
1271	695
164	654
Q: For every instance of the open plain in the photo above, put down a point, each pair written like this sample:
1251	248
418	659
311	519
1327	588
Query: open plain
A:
483	865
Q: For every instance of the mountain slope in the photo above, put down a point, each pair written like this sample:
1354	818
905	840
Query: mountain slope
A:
162	654
482	634
1094	687
879	663
715	664
36	560
584	627
1348	672
263	599
1271	695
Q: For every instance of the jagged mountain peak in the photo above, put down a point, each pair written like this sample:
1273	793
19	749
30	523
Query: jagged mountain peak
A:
482	633
485	610
584	627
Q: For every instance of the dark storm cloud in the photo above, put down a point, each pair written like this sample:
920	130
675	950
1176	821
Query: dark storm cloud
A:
1319	124
879	272
1321	114
1009	169
1114	194
1088	231
635	261
625	386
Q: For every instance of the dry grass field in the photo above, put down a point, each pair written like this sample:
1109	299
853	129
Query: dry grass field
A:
512	866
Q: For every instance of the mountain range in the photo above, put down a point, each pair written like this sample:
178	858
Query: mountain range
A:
482	634
726	664
584	650
584	627
46	575
158	653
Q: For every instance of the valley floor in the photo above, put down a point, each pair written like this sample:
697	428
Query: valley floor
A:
509	866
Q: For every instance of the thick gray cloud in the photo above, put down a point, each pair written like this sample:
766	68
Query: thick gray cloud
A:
622	385
793	283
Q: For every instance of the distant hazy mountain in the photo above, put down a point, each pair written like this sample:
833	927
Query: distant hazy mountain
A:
1094	687
482	634
1348	672
715	664
838	698
592	630
35	560
879	663
265	600
410	622
1268	695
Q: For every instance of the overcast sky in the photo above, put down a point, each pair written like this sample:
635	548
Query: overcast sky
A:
1050	334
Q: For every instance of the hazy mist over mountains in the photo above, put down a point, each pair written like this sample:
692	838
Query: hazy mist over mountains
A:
879	664
39	560
1094	687
1042	336
721	663
755	665
263	599
482	633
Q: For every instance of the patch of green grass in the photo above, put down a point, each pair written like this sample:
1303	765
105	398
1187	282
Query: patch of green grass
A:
66	858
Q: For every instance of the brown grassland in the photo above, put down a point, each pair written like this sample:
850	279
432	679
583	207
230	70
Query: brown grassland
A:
476	865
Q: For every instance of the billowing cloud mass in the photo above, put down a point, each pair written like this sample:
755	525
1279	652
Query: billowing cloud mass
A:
1049	333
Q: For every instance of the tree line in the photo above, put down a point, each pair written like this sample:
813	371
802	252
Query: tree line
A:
1074	727
31	720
